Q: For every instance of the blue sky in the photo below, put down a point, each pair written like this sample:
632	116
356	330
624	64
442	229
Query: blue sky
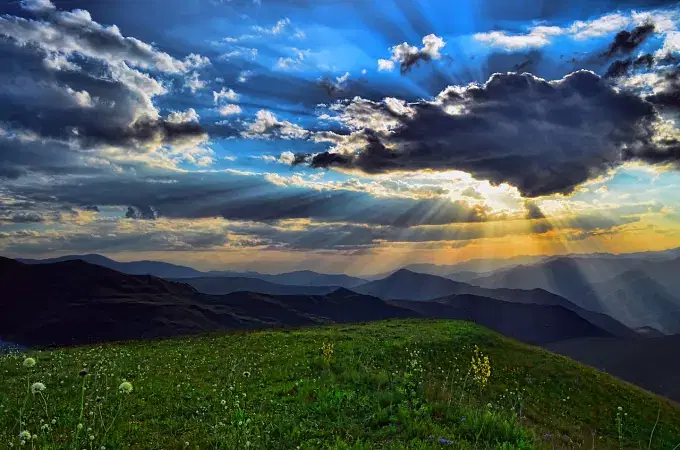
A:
280	134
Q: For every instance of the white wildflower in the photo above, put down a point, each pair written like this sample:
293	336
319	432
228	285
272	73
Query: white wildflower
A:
37	387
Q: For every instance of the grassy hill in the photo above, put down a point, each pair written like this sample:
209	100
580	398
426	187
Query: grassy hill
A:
398	384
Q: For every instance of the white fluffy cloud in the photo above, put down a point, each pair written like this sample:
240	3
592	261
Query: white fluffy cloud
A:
37	5
409	55
538	36
267	126
229	109
224	94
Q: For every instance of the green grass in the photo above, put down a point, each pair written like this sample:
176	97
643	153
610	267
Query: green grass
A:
404	384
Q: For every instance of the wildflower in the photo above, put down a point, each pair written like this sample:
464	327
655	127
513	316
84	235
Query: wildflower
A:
620	408
125	387
29	362
25	435
246	374
37	387
223	402
83	372
80	426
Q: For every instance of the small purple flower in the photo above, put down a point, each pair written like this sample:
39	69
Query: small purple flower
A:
547	436
445	441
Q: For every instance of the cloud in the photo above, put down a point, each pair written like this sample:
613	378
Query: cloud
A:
245	75
141	212
77	98
74	32
194	83
408	56
248	197
385	65
37	5
533	211
268	126
224	94
278	28
334	87
537	37
291	63
626	41
179	117
623	67
228	110
543	137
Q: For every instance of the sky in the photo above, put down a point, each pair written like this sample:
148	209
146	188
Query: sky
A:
350	136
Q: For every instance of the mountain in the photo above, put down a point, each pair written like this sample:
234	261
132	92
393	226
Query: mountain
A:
407	285
227	285
172	271
636	292
75	302
156	268
649	363
527	322
310	278
637	299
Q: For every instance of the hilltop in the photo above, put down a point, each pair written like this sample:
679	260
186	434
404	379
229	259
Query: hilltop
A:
397	384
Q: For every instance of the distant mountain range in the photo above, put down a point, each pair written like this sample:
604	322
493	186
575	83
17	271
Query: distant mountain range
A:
227	285
637	292
73	301
167	270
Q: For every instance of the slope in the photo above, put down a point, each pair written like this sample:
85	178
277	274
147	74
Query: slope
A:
398	385
650	363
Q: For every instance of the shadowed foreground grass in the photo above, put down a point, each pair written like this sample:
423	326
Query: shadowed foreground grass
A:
406	384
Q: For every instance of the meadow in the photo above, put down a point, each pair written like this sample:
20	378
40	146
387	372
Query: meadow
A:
398	384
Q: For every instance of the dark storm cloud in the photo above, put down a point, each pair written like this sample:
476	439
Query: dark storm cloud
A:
667	91
533	211
542	137
626	41
622	67
141	212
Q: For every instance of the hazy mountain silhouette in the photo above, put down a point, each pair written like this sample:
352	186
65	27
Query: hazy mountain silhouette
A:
227	285
167	270
527	322
407	285
156	268
310	278
637	292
